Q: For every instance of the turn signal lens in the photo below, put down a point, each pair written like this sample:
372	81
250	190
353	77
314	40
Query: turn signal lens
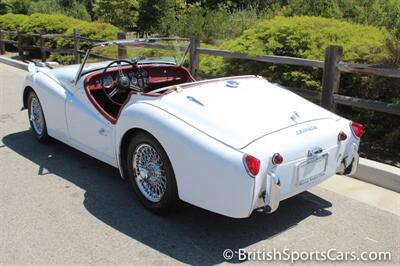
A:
342	136
252	164
358	129
277	159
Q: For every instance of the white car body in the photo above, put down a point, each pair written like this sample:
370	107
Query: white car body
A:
206	128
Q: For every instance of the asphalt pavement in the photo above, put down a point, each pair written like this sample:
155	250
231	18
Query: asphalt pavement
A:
60	206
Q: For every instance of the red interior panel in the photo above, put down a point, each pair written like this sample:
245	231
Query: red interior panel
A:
159	76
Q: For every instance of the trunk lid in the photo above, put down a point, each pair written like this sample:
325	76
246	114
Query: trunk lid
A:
239	110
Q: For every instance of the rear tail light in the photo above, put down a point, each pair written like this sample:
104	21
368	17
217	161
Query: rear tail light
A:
252	164
277	159
342	136
358	129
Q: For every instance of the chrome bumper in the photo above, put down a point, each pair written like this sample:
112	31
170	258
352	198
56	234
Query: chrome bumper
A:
274	193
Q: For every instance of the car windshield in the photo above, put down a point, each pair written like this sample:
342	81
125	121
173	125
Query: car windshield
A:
138	51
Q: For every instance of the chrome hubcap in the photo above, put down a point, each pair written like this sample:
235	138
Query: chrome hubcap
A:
37	116
149	172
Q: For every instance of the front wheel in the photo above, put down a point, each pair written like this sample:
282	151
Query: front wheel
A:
36	118
151	175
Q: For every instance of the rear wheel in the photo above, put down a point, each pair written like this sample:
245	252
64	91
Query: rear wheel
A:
36	118
151	175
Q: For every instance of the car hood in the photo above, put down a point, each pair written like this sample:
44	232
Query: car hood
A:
237	111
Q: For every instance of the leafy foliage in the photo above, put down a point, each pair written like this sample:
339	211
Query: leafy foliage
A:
59	24
94	30
12	22
70	8
208	24
121	13
305	37
151	12
50	23
382	13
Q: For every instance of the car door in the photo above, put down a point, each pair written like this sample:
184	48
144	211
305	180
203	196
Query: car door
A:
88	129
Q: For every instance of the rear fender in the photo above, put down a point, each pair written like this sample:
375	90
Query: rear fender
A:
209	174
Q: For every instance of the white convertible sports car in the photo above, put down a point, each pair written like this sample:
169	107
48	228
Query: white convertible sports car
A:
229	145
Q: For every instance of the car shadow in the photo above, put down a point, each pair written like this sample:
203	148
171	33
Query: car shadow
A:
192	235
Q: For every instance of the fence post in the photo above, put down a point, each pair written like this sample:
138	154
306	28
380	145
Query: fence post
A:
2	45
42	45
331	76
76	35
19	44
122	54
194	56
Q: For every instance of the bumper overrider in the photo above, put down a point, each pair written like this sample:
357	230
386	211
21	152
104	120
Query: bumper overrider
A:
274	193
350	163
348	167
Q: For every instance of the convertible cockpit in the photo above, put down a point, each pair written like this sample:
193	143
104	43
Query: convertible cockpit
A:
109	88
114	71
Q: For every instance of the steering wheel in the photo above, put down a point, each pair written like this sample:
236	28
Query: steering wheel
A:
123	83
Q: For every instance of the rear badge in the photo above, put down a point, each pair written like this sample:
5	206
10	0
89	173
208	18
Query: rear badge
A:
232	83
304	130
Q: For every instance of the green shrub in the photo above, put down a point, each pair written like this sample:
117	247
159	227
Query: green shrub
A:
12	22
380	13
92	30
305	37
57	24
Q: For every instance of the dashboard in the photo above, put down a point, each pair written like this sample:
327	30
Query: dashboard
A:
152	77
135	77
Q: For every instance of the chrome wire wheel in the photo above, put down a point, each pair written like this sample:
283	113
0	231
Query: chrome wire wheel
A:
36	116
150	175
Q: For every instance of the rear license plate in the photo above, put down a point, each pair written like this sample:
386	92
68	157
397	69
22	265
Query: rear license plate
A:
311	169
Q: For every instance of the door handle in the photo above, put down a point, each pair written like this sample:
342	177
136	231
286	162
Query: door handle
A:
102	132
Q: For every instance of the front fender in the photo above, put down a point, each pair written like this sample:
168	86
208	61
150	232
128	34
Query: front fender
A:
26	87
209	174
52	97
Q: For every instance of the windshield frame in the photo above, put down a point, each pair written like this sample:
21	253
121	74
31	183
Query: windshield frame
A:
146	42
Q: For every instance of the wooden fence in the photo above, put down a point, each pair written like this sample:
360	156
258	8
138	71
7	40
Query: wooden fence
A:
42	37
332	66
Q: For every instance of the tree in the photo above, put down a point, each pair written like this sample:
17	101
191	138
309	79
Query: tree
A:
233	5
150	15
70	8
121	13
4	7
89	7
18	6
